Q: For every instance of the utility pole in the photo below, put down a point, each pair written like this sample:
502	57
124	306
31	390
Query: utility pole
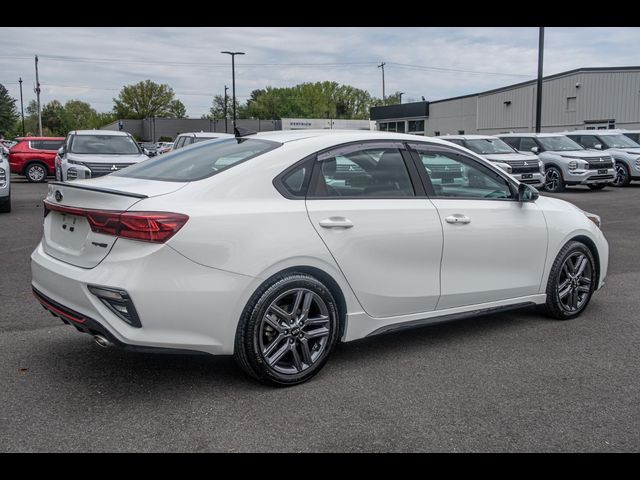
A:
539	92
21	105
225	109
384	97
37	90
401	93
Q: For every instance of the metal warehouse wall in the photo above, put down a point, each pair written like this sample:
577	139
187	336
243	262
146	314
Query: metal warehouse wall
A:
449	116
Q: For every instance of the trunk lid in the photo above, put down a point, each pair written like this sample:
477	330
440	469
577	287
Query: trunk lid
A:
68	236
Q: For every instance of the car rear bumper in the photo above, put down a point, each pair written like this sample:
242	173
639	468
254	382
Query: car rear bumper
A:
182	305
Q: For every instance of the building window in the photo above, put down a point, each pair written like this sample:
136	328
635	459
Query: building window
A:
436	133
460	132
393	127
383	127
571	104
416	126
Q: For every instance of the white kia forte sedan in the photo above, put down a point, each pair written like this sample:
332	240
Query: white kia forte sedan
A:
275	246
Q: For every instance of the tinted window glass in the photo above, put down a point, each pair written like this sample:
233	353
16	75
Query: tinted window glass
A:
456	176
513	142
35	144
51	144
179	142
104	145
488	146
587	141
618	141
295	182
559	144
375	172
526	144
198	161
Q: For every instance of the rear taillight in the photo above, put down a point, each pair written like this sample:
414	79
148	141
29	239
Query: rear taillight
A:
156	227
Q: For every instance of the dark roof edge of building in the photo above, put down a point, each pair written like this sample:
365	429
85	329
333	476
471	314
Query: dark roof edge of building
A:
530	82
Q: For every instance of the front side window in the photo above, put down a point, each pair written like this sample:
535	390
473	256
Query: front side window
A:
513	142
198	161
366	172
526	144
488	146
453	175
104	145
587	141
559	144
179	142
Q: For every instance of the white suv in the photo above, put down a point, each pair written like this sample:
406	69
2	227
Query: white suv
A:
94	153
5	180
625	152
185	139
524	167
565	162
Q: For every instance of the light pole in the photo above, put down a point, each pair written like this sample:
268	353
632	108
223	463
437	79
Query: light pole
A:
539	89
401	93
233	82
21	105
225	109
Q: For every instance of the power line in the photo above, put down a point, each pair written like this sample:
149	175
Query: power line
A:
445	70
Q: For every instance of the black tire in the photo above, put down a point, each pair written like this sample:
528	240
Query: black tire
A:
597	187
5	205
251	334
554	182
555	307
622	177
36	172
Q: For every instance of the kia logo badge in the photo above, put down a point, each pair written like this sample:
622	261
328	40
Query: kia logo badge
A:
58	195
113	167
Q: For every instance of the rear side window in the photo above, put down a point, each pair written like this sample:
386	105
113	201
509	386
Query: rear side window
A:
51	144
366	172
198	161
513	142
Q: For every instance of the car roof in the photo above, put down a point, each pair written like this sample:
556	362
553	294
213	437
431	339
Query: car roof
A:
207	134
341	136
468	137
529	134
19	139
114	133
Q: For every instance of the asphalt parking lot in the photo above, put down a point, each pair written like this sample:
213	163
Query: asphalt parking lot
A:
510	382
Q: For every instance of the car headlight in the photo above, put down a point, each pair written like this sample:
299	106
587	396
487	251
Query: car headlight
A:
541	166
638	162
594	218
3	177
573	165
75	162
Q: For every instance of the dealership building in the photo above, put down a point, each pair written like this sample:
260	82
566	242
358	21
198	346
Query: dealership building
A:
592	98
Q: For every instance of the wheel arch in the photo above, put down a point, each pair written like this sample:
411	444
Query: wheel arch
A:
31	161
590	244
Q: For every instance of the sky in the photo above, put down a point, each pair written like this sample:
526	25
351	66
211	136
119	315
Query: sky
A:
92	64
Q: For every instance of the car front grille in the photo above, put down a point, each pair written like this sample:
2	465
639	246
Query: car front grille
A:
100	169
598	163
524	169
600	177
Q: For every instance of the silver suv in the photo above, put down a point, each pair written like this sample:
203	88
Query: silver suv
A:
524	167
565	162
625	152
185	139
5	180
94	153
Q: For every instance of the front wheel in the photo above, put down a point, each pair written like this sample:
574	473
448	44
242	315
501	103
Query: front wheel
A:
5	205
287	330
622	177
554	181
36	172
571	282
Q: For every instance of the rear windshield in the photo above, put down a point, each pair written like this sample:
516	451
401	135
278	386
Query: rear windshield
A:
198	161
104	145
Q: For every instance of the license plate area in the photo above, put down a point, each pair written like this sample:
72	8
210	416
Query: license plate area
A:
526	176
602	171
69	231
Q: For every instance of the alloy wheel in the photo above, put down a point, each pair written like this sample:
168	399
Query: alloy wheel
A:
36	173
294	331
621	175
552	180
574	282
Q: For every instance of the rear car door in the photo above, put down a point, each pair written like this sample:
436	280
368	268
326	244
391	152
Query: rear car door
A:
494	246
370	209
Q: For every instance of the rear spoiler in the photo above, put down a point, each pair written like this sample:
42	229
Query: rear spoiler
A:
99	189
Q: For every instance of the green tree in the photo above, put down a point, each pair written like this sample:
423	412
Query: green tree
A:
217	110
145	99
177	109
54	120
8	111
392	99
79	115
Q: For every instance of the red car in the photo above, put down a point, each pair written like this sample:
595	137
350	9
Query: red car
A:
34	157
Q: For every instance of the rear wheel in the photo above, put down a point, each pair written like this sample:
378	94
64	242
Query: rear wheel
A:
622	177
554	181
571	282
287	330
36	172
598	187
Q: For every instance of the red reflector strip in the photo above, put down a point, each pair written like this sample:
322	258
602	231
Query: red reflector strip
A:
50	307
156	227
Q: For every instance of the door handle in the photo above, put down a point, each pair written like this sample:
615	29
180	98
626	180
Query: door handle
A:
458	218
336	222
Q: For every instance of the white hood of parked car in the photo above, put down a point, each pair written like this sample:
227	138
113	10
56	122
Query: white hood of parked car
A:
510	157
93	158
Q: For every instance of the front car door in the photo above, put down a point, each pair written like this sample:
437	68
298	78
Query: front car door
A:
369	207
494	246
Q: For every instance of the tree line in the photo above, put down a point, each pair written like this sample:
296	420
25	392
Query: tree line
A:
148	99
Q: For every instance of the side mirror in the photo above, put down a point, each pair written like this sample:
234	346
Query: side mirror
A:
598	146
61	151
535	150
526	193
